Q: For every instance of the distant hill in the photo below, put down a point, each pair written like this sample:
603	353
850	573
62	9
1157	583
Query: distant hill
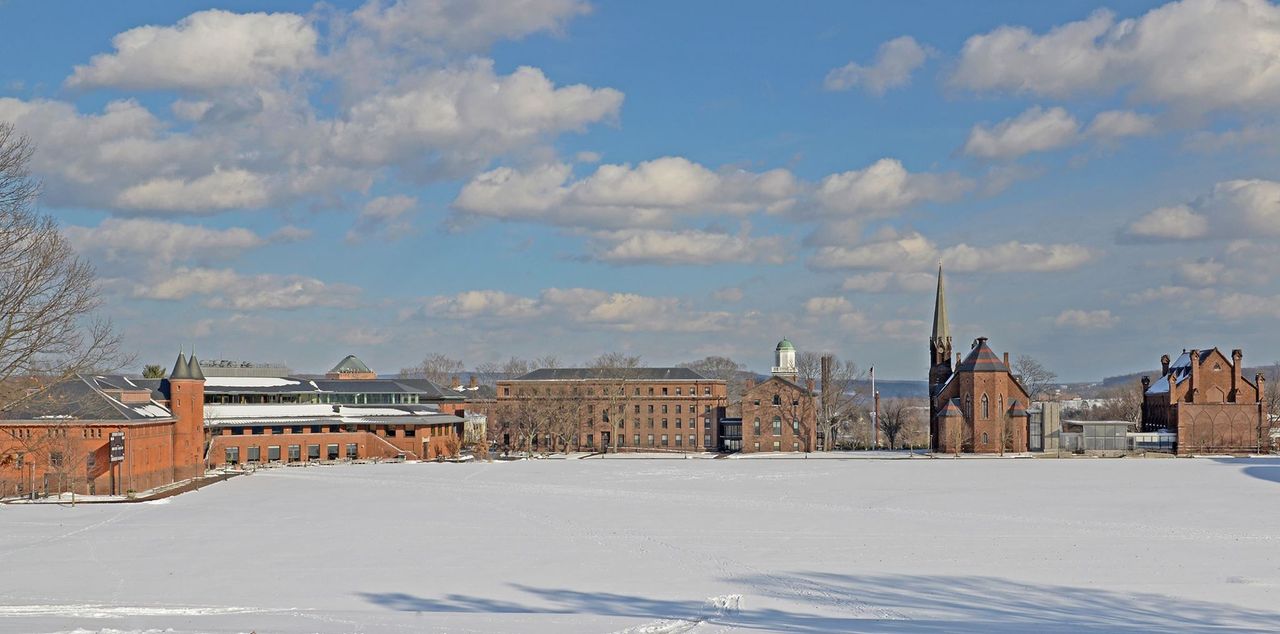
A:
895	389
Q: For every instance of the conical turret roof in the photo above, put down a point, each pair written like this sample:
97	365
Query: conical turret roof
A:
349	365
181	369
193	367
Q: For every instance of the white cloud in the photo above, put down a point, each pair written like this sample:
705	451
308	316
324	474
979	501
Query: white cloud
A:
914	252
651	193
892	68
1085	319
827	306
1194	55
886	188
1202	273
689	246
1114	124
583	307
1035	130
383	217
218	191
1234	209
889	281
159	243
729	295
207	50
224	288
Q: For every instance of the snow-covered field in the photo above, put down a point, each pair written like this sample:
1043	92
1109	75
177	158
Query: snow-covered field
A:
664	546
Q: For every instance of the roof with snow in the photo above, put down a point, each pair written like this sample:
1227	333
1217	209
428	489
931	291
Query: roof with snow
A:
1179	371
90	398
629	374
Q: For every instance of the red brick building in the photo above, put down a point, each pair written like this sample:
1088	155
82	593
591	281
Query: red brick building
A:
623	409
778	415
1204	398
978	405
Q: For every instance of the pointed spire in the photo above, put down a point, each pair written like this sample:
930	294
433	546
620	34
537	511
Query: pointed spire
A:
941	330
193	366
181	369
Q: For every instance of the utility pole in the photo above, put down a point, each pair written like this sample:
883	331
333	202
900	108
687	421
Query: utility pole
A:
875	411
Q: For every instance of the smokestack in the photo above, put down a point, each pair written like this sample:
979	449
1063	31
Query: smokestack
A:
1193	382
1006	360
1260	380
472	383
1164	364
1237	356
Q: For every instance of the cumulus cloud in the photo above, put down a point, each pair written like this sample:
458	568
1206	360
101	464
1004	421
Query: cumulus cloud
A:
1035	130
462	24
895	61
206	50
1202	273
1115	124
827	306
889	282
383	217
689	246
225	288
158	242
218	191
912	251
651	193
886	188
1085	319
584	307
1234	209
1193	55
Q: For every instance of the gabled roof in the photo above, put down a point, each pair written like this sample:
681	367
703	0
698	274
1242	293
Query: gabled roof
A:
350	364
982	359
629	374
85	398
782	380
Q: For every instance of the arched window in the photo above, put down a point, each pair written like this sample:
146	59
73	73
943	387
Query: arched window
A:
777	400
777	425
985	440
986	408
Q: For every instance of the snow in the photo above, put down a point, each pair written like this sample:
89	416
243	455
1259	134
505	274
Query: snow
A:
285	411
247	381
154	410
667	546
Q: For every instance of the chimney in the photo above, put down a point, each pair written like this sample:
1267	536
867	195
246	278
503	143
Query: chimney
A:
1006	360
1146	383
1237	369
454	382
1193	382
472	383
1261	380
957	359
751	382
1164	364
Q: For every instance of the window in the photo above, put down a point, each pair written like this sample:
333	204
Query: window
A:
233	455
777	446
313	452
650	440
637	439
273	453
295	453
506	391
315	429
679	391
706	440
297	429
91	460
777	426
650	408
22	457
664	423
664	391
650	391
986	408
679	440
677	408
795	446
664	440
331	452
755	426
795	426
591	440
677	423
706	408
777	400
664	408
637	409
706	391
637	392
693	440
255	454
353	450
237	431
985	440
756	446
55	459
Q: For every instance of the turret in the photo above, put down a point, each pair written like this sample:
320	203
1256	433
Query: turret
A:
784	355
186	402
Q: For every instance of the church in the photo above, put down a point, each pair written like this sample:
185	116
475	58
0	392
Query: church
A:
977	405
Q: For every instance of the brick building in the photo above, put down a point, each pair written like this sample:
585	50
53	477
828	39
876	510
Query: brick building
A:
1204	398
674	409
978	405
778	415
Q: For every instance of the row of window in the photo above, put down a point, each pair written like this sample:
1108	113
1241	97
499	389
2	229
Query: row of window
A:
253	454
322	429
777	400
777	426
692	408
590	391
651	440
395	398
777	446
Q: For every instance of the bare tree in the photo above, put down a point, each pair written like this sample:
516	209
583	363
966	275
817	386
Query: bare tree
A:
897	417
723	369
617	372
1035	378
839	400
1119	402
1271	397
48	295
435	367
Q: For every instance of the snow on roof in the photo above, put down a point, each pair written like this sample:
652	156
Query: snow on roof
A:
248	381
153	409
287	411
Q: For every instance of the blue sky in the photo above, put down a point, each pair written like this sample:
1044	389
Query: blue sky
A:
294	182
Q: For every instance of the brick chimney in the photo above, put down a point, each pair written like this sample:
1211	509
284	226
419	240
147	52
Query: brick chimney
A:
1146	383
1237	356
472	383
1006	360
1164	364
454	382
1262	388
751	382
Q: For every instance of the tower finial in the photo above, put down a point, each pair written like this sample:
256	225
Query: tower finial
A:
941	329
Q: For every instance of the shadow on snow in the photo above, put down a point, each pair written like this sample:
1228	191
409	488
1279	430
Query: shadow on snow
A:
888	603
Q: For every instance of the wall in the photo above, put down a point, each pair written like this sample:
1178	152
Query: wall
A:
795	405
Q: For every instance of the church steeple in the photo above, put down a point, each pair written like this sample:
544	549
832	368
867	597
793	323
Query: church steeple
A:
941	330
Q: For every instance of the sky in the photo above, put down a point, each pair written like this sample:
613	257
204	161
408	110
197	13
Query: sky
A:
293	182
